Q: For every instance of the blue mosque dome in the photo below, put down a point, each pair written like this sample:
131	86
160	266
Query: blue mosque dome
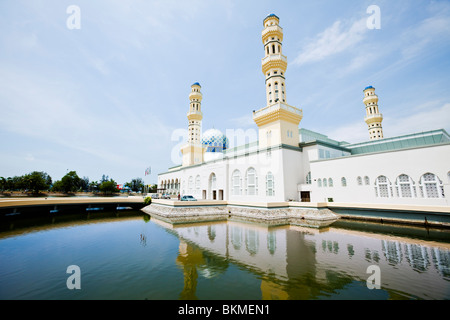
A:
215	141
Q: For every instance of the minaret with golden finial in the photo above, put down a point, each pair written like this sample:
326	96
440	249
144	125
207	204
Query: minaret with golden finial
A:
277	122
193	151
373	116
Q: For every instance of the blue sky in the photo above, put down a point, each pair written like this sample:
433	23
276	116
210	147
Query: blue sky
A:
111	97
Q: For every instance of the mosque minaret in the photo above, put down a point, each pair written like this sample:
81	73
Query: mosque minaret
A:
373	116
193	151
277	122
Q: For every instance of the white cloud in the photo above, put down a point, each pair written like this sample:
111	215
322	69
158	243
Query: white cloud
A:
435	29
335	39
431	119
37	108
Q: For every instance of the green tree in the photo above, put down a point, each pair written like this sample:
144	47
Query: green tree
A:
84	184
58	186
135	184
93	186
36	181
70	182
2	184
15	183
108	187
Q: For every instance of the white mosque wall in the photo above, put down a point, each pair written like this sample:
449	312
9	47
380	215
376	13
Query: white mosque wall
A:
250	183
361	172
293	173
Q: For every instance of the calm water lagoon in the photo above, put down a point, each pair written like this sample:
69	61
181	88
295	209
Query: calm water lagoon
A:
129	256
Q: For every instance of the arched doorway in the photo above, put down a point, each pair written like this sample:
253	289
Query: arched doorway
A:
212	186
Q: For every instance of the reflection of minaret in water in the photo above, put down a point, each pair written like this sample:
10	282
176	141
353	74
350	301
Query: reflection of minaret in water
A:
189	257
301	271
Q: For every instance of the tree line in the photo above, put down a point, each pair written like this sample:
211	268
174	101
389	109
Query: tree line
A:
37	181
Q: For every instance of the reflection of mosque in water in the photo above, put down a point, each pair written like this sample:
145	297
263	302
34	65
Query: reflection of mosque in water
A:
299	263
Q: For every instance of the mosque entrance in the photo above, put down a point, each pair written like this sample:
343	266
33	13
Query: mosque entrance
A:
212	187
306	196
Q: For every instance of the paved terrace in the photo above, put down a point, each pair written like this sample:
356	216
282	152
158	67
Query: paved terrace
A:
437	216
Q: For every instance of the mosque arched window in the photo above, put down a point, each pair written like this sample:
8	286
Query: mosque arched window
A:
343	182
236	183
190	184
405	187
308	178
251	182
383	188
359	181
431	186
197	183
319	183
270	186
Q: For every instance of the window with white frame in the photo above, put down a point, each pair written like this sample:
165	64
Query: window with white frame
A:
308	178
359	181
366	181
343	182
324	181
319	183
330	182
405	187
236	183
190	184
251	182
197	183
431	186
212	181
383	188
270	187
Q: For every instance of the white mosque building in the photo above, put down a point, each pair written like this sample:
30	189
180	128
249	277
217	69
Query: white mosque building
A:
288	163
